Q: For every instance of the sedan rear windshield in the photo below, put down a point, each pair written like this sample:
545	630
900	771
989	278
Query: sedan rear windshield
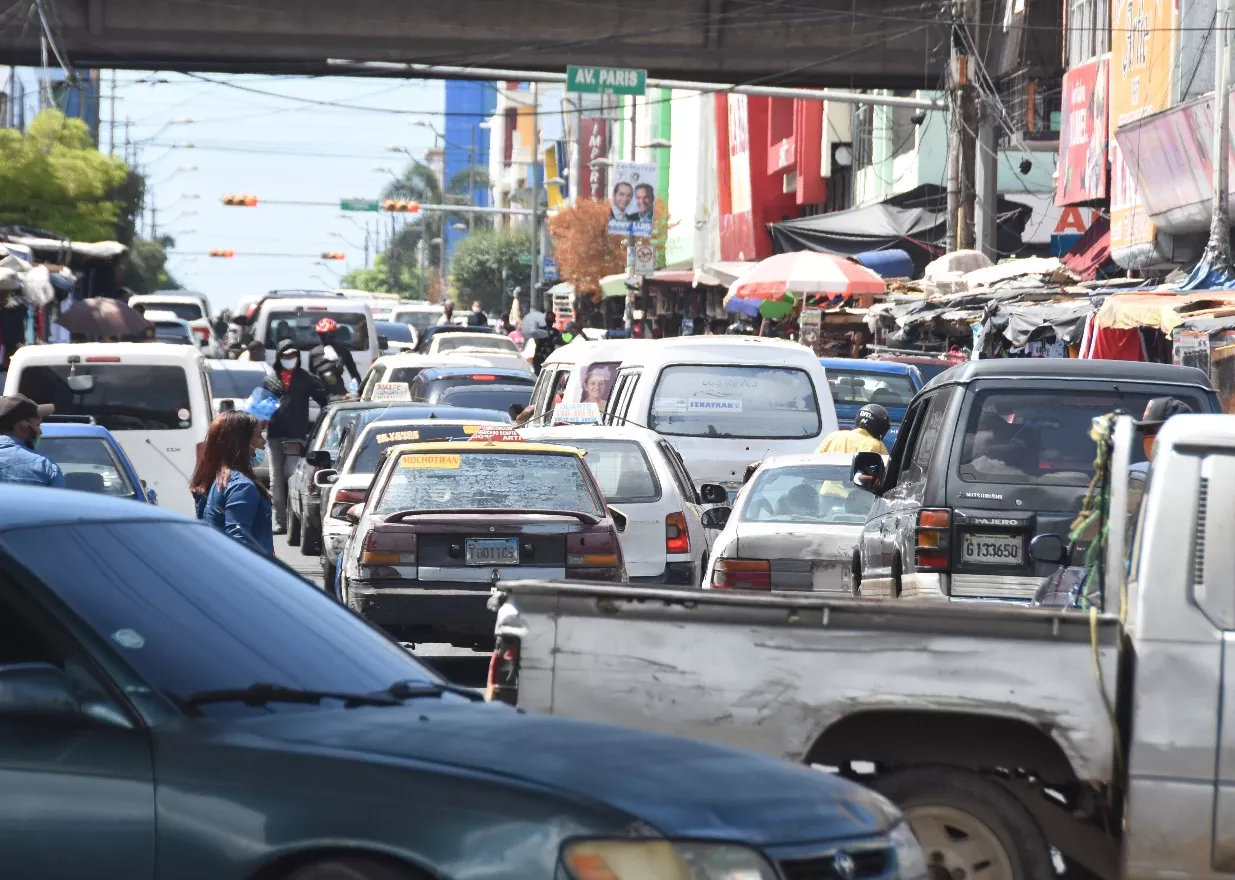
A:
722	400
806	494
452	341
120	397
89	465
537	481
1042	437
379	438
621	468
501	398
183	311
857	387
300	328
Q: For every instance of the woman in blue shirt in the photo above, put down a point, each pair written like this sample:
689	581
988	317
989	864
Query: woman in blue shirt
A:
224	487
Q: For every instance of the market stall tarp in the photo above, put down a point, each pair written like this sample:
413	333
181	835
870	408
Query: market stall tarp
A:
915	221
1092	250
1162	311
1022	323
892	263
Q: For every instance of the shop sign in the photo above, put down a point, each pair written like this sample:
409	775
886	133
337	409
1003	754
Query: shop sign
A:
594	143
1083	134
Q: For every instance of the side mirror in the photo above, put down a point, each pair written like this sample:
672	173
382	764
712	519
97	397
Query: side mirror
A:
325	478
619	519
383	343
716	517
1049	548
318	458
29	690
867	471
713	493
293	448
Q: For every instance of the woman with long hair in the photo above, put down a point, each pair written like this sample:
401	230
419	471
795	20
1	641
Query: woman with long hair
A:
224	487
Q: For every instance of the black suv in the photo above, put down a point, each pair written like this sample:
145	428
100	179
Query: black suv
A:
990	454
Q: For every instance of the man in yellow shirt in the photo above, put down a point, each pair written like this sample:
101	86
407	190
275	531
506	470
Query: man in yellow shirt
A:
869	428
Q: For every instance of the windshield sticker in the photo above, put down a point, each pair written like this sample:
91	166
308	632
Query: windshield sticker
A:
469	430
442	462
398	437
128	638
183	414
670	404
717	404
387	392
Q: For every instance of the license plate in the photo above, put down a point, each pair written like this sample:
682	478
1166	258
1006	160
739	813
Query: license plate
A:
992	549
491	551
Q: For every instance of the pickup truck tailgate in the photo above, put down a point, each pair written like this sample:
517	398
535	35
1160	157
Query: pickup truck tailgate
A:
771	673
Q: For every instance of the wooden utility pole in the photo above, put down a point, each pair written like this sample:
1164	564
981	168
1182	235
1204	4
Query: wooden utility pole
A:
963	128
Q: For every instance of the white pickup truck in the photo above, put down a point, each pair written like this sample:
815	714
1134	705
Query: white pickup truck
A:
1001	731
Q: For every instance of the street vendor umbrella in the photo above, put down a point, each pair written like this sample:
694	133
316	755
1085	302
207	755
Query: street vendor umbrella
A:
101	316
769	287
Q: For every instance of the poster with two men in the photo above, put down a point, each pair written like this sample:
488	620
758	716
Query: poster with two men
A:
632	201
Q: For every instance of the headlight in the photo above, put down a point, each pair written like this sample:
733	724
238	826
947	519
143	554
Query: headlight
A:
910	860
663	860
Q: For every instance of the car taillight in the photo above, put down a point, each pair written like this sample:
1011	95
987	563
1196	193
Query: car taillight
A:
385	548
742	574
103	359
345	498
594	555
931	541
677	537
203	332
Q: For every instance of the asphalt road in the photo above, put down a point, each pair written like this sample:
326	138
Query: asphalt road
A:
460	665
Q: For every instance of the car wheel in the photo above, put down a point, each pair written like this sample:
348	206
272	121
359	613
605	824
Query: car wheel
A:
328	571
310	540
969	826
855	572
896	577
293	525
352	869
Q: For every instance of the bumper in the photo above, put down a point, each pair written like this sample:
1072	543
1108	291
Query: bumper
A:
676	574
434	611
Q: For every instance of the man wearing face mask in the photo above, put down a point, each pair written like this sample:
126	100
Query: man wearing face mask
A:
293	387
20	420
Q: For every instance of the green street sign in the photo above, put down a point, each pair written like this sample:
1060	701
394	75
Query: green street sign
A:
606	80
525	259
358	205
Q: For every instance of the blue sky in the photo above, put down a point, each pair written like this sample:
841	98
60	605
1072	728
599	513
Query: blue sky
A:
272	146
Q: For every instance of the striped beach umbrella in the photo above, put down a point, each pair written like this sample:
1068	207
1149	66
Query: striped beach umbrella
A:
770	286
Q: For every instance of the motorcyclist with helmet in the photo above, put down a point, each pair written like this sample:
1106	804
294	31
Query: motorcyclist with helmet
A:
330	359
869	428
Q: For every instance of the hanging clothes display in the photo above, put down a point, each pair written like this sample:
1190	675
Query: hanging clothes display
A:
1111	344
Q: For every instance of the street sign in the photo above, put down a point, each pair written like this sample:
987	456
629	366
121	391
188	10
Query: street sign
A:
525	259
606	80
645	259
358	205
549	271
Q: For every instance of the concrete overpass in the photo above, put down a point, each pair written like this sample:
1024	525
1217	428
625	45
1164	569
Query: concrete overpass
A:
840	43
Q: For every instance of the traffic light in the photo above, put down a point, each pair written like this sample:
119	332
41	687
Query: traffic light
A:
241	201
220	252
400	206
332	255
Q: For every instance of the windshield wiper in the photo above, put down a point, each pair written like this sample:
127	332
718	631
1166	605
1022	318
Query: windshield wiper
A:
410	690
260	693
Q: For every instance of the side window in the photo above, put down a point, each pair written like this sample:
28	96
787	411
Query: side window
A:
926	437
620	407
366	391
680	475
316	430
540	394
559	385
417	388
615	394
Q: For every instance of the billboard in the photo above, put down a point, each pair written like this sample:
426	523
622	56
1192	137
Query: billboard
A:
594	144
1143	34
1083	134
632	199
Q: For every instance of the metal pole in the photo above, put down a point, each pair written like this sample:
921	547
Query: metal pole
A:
471	180
535	299
1218	251
111	125
421	249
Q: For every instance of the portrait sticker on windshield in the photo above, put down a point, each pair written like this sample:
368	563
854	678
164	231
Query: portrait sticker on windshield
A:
439	462
398	437
717	404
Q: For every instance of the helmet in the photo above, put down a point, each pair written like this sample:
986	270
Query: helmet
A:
873	419
329	325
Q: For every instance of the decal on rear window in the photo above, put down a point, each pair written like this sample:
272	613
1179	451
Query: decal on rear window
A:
398	437
445	462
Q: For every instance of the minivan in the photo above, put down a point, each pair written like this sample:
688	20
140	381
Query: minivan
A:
992	453
290	318
581	372
152	396
724	402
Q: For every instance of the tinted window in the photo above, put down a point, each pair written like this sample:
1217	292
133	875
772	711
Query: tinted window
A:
1042	437
235	381
925	437
381	437
395	332
885	389
487	398
163	595
183	311
89	465
403	374
806	494
124	397
418	318
452	341
173	333
488	481
337	427
621	469
722	400
685	487
299	327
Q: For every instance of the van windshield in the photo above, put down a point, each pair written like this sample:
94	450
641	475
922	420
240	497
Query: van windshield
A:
1042	437
300	327
724	400
120	397
860	387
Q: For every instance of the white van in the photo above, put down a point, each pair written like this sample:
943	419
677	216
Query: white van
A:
191	307
280	318
725	401
419	314
581	372
152	396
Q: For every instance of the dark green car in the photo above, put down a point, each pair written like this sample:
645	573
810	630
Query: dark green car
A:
175	706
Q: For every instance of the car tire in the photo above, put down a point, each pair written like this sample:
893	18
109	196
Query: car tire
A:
959	816
310	540
896	577
293	525
352	869
328	573
855	572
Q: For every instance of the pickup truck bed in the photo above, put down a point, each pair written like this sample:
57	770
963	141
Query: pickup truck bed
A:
782	674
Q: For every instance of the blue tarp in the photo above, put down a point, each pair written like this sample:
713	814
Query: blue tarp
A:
892	263
1206	276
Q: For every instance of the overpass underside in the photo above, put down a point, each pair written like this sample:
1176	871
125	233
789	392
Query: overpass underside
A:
839	43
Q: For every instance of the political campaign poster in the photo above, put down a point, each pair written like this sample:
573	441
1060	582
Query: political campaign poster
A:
632	198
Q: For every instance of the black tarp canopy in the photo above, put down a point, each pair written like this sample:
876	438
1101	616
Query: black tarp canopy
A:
915	221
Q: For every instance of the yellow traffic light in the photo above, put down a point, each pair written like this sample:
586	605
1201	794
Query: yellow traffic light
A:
241	201
220	252
332	255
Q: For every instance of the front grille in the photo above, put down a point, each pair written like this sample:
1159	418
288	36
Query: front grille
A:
867	863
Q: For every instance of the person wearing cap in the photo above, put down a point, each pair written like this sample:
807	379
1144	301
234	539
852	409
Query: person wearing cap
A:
330	358
1157	411
20	421
294	387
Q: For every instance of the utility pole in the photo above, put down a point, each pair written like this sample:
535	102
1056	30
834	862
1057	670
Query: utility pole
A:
962	130
535	298
1218	251
471	179
111	123
420	250
985	210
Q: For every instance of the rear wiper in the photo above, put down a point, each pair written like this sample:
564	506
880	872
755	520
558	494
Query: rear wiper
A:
260	693
410	690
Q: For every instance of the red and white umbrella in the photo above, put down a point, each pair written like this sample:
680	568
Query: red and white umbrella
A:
770	285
